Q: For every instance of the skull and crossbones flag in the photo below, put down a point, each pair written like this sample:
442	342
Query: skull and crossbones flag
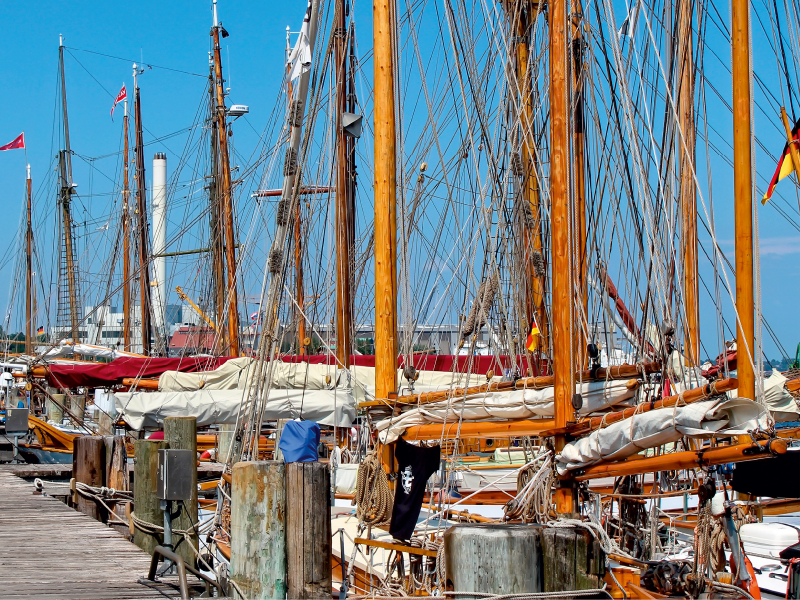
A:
416	464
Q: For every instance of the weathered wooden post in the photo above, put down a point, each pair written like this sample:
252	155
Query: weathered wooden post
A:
105	425
258	529
180	433
89	467
225	436
494	559
145	503
276	453
77	406
116	475
516	559
55	412
308	530
573	559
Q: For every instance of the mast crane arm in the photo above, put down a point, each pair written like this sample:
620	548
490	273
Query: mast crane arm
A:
182	295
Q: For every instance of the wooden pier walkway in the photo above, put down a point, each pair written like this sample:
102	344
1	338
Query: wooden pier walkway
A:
48	550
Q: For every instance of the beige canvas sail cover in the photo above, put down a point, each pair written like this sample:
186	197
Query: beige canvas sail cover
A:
148	409
721	417
517	404
237	373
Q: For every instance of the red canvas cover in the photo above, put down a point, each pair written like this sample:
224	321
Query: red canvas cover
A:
108	374
429	362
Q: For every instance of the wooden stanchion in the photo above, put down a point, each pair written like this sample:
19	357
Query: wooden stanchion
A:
180	433
308	530
89	467
145	503
258	529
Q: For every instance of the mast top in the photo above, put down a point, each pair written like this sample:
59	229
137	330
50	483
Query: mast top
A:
29	171
60	41
214	4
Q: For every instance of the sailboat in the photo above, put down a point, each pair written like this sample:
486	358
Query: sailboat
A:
540	190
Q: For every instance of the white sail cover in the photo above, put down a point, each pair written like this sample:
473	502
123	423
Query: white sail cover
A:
70	348
300	58
334	407
516	404
237	372
663	426
778	400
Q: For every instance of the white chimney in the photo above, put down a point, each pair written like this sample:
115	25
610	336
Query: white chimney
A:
159	294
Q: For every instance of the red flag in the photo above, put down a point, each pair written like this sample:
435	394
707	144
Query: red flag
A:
123	95
17	143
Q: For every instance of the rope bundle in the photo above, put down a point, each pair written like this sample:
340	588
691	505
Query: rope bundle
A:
710	538
532	502
154	530
373	498
482	306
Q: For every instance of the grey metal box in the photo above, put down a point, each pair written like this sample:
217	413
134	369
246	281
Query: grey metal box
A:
175	468
16	420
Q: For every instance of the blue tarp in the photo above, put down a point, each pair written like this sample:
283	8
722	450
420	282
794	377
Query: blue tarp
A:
299	441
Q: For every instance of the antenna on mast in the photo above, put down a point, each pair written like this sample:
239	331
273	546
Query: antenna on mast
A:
214	4
60	40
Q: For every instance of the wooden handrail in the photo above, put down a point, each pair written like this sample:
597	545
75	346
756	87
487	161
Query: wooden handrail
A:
396	547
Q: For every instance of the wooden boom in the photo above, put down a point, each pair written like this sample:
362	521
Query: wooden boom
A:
685	460
479	429
694	395
142	384
526	383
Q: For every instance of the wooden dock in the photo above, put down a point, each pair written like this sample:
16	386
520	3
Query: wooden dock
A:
206	470
48	550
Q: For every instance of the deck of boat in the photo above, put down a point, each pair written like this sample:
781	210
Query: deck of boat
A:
48	550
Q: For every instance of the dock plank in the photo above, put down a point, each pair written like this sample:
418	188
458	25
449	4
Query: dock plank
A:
205	470
48	550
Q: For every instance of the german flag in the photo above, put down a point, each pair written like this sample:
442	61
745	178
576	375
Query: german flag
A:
40	330
530	343
785	165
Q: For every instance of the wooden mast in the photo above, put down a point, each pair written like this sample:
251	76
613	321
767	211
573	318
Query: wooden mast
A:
688	199
217	236
29	270
743	195
535	280
383	16
126	240
297	232
66	198
560	211
579	178
344	308
226	199
141	208
298	267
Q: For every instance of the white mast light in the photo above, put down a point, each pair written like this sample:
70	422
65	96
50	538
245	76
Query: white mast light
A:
237	110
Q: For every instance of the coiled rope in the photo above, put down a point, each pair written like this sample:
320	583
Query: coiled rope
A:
373	498
532	502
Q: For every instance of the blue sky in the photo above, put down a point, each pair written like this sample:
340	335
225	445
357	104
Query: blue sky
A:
176	35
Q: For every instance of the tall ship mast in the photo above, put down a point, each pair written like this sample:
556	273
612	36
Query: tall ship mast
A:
142	222
68	298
